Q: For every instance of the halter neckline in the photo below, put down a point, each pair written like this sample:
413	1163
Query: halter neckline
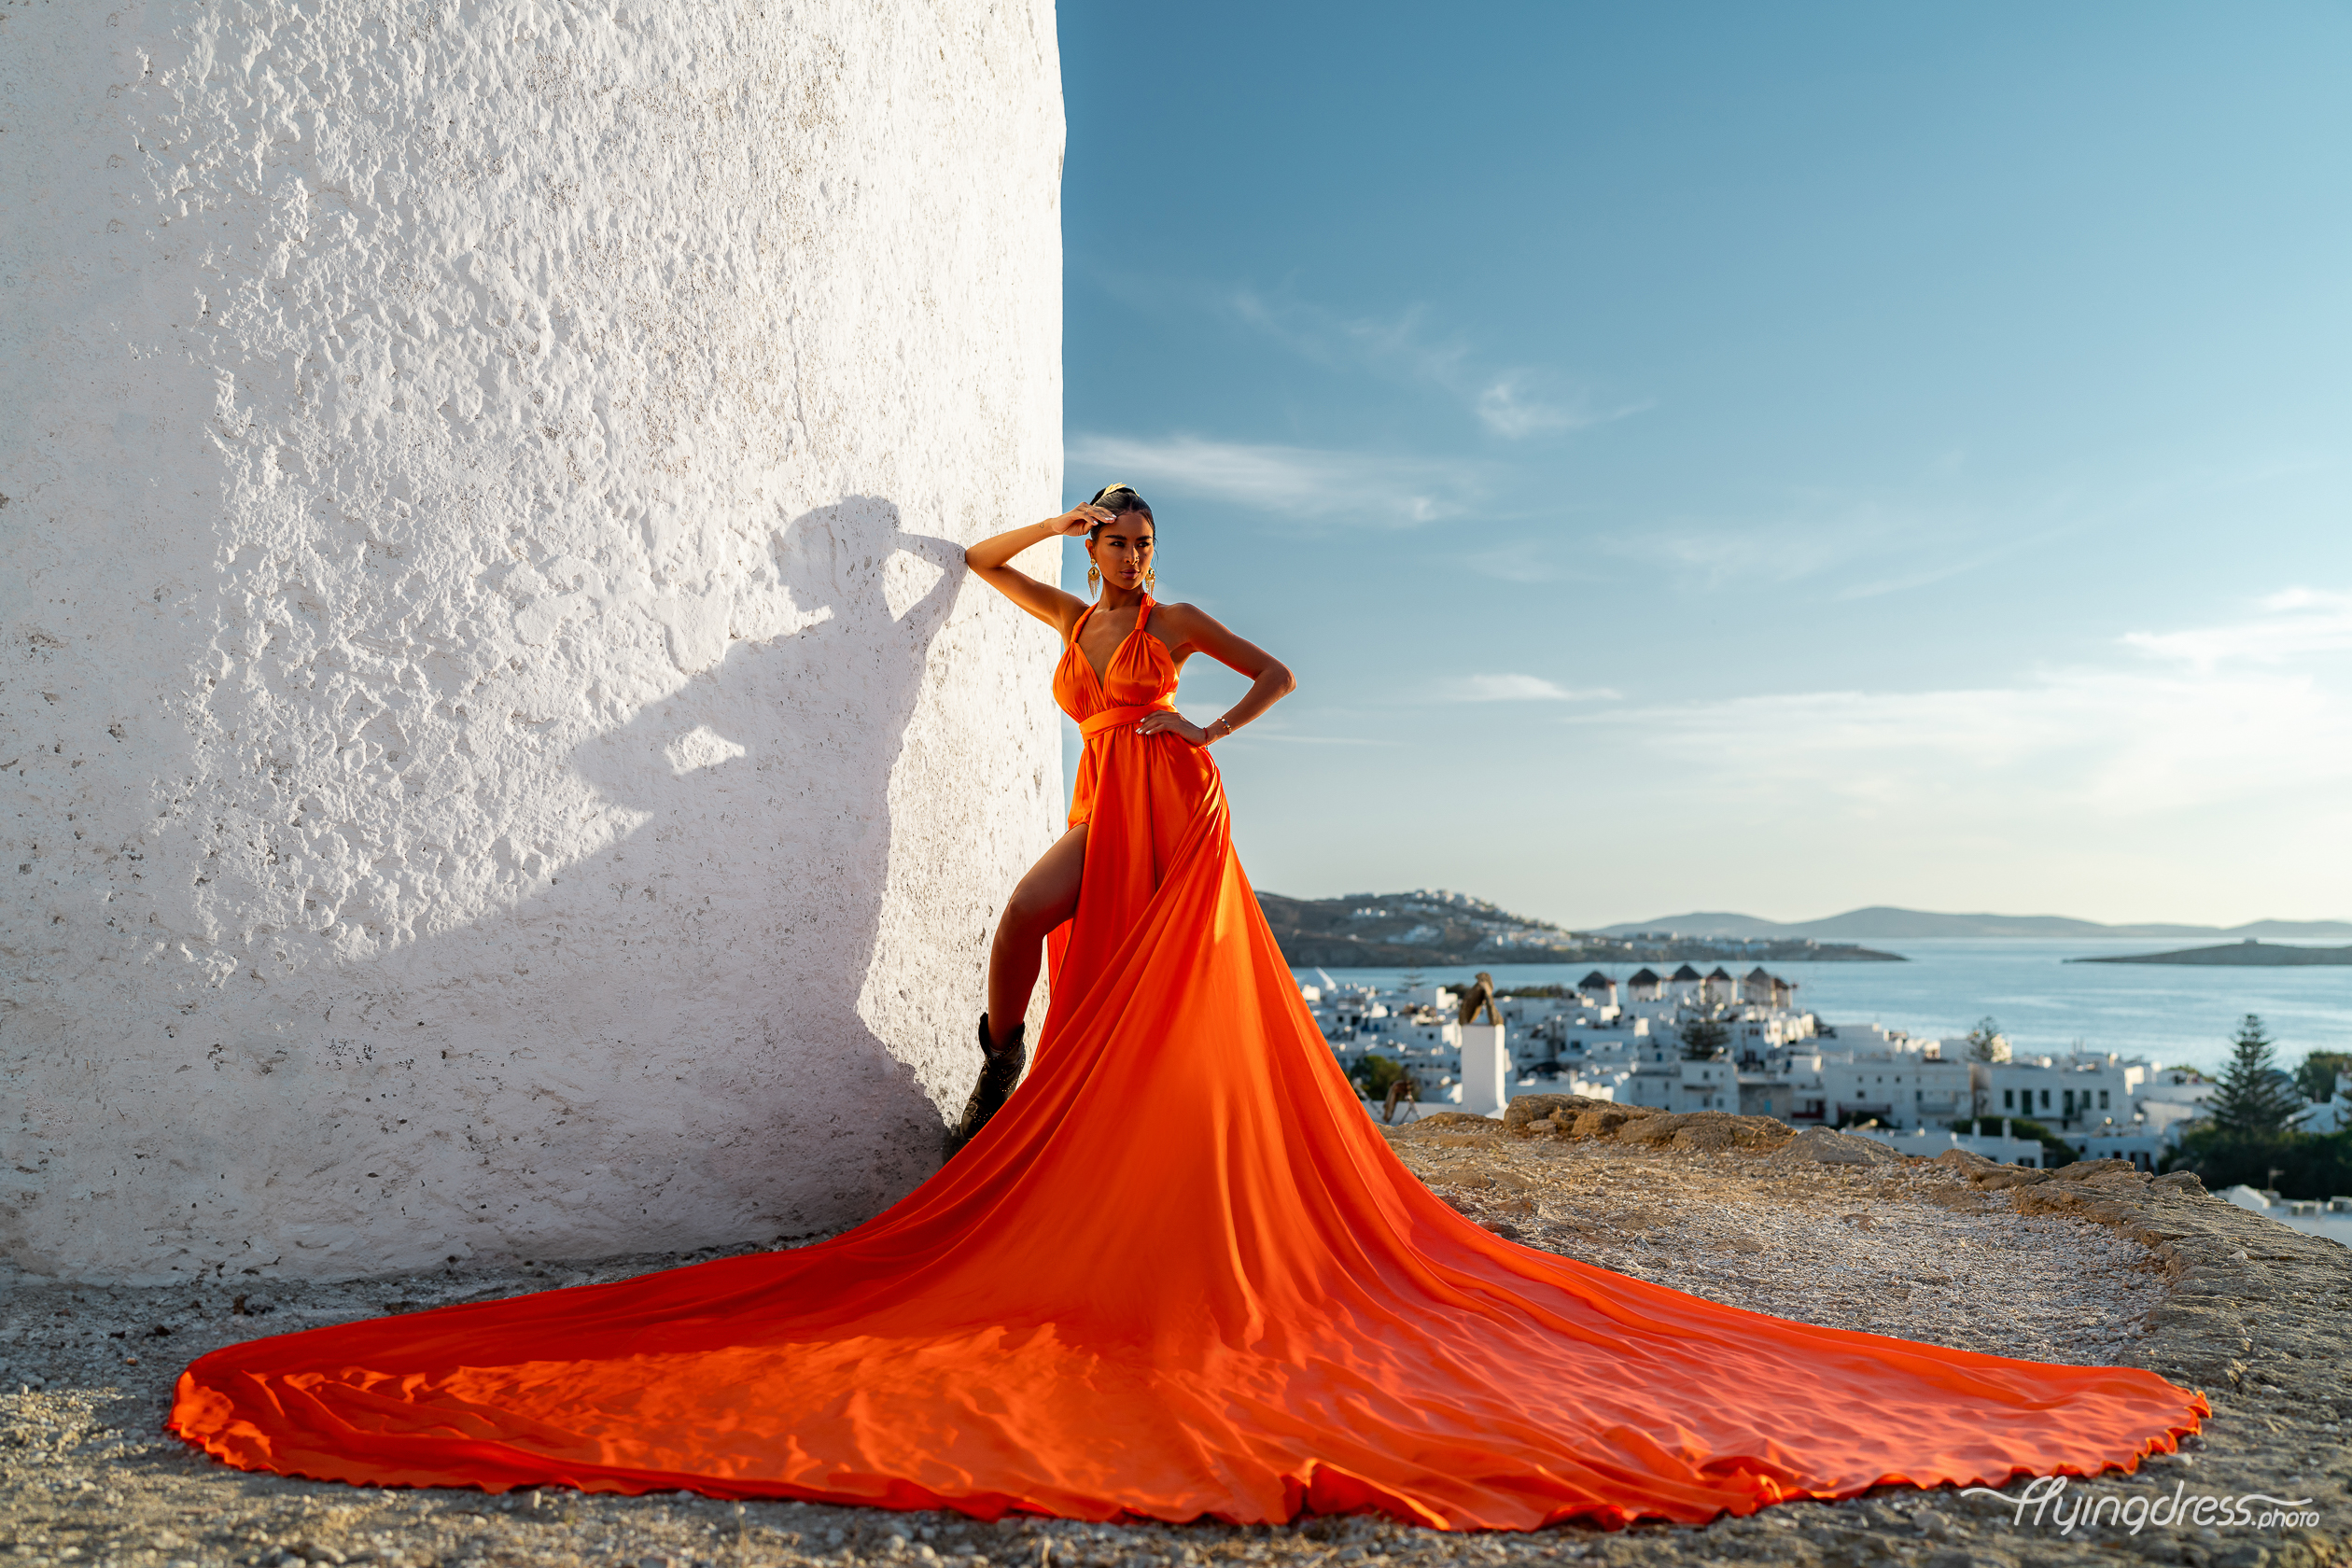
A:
1103	673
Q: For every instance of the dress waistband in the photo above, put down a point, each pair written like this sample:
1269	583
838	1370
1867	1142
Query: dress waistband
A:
1112	717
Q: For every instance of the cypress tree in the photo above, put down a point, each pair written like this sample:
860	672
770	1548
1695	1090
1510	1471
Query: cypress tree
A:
1703	1039
1986	1043
2254	1098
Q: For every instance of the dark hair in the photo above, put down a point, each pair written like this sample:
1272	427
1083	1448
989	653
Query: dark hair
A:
1120	500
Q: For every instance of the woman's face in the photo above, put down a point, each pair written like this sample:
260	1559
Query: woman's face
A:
1122	550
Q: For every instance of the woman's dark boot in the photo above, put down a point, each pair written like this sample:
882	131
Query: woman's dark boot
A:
1000	1070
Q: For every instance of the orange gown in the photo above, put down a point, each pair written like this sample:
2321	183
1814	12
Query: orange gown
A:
1179	1275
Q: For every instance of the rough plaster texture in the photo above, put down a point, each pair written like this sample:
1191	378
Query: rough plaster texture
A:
499	755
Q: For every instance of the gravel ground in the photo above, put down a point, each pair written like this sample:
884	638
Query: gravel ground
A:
1913	1253
2104	1267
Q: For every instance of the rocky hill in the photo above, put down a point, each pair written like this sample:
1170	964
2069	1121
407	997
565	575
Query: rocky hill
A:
1434	927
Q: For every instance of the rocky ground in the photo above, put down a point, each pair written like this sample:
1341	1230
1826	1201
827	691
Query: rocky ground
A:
2093	1263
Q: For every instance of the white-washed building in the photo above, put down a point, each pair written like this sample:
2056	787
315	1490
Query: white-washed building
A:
2332	1114
1626	1040
1669	1083
2172	1097
1895	1087
2074	1093
2003	1148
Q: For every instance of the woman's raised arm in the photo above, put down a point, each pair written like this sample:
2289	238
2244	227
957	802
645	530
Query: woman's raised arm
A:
993	558
1270	679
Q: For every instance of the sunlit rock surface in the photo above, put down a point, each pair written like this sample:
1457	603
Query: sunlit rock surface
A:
498	756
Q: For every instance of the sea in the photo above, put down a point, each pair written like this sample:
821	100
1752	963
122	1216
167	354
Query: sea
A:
2173	1014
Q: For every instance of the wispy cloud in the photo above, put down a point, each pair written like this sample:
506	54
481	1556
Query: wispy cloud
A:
1300	483
1851	545
1878	546
1399	343
1516	688
2298	622
1510	408
1528	562
2192	719
1792	538
1514	401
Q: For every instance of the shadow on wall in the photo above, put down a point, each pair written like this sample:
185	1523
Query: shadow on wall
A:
658	1045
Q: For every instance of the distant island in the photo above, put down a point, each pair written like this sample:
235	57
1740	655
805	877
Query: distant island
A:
1882	923
1432	927
2248	952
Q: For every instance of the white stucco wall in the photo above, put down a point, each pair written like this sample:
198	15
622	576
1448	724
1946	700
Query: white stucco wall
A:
498	756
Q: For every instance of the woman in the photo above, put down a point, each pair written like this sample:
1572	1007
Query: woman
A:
1177	1274
1122	656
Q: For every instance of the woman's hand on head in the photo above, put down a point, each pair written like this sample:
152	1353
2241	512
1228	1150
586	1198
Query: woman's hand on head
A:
1166	722
1079	518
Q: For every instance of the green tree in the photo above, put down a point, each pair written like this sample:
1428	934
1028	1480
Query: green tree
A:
2298	1164
1986	1043
2316	1077
2255	1097
1374	1074
1703	1039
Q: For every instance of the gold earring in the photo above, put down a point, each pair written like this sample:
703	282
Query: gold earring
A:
1151	578
1094	579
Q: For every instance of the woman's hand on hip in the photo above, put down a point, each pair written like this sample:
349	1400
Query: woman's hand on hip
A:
1166	722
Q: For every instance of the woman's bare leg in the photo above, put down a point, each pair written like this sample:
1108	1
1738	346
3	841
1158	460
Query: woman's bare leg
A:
1045	898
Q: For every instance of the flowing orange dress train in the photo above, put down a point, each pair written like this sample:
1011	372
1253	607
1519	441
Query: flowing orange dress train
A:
1178	1275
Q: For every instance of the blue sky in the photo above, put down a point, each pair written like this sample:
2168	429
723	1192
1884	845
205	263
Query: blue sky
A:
1775	459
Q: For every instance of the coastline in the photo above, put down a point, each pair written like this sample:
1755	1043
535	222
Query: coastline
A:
1319	951
1431	928
2171	1014
2248	954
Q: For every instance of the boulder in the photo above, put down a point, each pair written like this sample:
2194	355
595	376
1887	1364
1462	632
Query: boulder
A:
2103	1172
1451	1121
1527	1114
1965	1160
1604	1121
1999	1177
1823	1146
2179	1181
1711	1130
